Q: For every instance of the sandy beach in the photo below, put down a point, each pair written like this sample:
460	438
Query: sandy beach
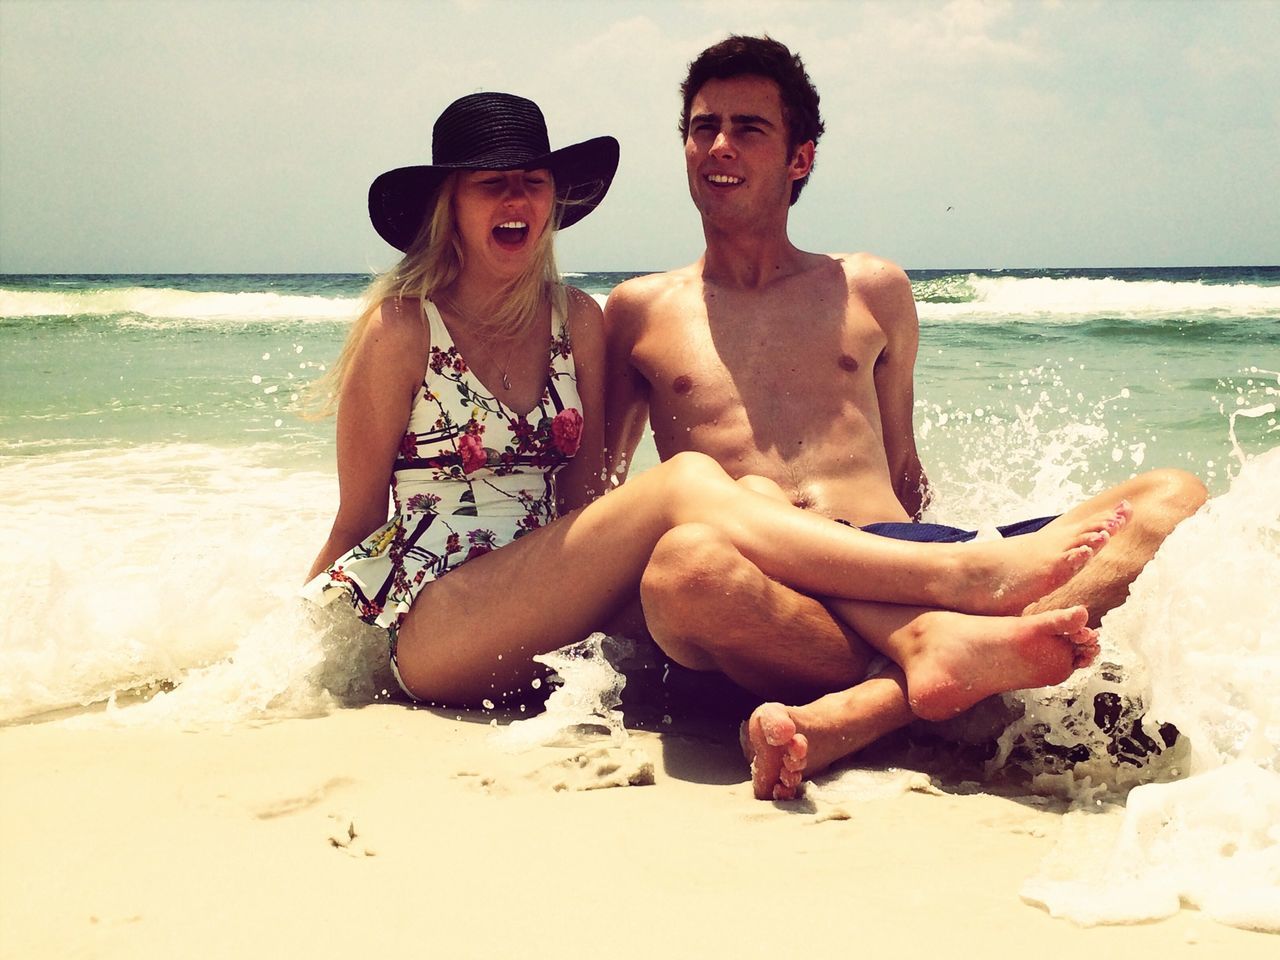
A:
391	828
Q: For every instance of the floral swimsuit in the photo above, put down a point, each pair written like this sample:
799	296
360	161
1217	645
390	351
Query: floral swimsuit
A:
470	476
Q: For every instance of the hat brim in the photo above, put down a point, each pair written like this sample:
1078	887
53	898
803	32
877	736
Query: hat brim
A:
399	199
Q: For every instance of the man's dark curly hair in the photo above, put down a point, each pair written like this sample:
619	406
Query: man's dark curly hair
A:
762	57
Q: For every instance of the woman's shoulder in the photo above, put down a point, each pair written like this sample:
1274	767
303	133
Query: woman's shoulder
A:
396	340
583	314
581	307
405	313
401	324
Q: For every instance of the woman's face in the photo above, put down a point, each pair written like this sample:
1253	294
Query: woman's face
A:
501	214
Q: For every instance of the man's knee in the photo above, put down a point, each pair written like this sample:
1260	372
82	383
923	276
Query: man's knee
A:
1167	497
691	566
689	591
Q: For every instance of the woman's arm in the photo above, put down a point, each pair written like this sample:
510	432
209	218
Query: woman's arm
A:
373	410
581	480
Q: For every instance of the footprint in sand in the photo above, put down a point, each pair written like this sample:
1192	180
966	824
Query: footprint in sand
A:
596	769
343	835
586	769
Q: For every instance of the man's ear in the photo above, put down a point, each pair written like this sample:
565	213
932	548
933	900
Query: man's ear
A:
802	162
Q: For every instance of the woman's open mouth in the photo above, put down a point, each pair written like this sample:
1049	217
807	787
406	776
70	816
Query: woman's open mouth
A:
511	234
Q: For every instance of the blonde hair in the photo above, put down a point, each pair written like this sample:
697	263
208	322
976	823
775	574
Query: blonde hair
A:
431	264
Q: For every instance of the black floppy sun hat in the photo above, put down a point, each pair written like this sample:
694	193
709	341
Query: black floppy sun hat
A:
491	131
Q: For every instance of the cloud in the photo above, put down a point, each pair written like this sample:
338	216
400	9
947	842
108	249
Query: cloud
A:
960	33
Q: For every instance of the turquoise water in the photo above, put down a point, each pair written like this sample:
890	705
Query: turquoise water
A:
1010	364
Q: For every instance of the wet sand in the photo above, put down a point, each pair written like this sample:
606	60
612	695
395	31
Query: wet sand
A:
389	828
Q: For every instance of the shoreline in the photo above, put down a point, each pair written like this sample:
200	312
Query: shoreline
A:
238	841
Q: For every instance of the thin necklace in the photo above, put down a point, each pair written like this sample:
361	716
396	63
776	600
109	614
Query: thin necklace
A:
470	321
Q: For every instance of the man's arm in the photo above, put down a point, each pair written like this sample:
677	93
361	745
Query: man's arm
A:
887	292
626	390
581	480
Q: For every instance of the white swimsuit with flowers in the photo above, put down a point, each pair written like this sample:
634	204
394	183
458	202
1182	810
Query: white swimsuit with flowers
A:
470	476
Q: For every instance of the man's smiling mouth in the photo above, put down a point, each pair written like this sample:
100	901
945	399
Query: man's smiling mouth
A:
723	179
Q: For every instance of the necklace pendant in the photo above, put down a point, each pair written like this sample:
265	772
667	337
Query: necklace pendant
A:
506	381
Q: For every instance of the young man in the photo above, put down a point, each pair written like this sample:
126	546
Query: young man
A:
795	371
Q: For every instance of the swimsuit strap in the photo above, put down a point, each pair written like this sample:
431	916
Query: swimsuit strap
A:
441	339
438	332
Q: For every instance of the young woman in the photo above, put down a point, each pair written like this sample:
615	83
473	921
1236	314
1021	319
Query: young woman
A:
472	388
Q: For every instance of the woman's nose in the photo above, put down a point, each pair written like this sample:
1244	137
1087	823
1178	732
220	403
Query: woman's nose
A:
517	189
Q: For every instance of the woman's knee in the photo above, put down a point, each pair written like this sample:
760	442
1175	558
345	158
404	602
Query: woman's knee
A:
763	486
690	472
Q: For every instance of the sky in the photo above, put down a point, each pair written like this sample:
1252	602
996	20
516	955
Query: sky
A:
217	136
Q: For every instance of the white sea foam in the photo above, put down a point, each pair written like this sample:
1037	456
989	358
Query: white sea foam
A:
168	304
1203	622
1196	647
1211	841
1077	299
158	566
971	298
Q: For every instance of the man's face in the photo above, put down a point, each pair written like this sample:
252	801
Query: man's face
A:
736	152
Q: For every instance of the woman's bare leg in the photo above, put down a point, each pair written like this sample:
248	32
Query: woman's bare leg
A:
471	634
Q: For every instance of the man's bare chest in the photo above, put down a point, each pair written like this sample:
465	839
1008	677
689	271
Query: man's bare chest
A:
695	368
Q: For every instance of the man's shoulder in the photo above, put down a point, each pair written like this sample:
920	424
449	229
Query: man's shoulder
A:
882	285
871	273
635	302
650	286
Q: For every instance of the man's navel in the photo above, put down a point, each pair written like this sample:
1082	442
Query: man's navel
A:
848	363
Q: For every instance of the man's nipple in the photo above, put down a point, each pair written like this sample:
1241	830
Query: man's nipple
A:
848	363
682	384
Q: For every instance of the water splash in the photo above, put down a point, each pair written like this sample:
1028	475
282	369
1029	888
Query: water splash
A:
1201	631
585	703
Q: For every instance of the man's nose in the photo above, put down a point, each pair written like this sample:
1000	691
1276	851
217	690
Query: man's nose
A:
721	145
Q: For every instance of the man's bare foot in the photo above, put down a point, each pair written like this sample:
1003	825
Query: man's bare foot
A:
1002	577
777	752
953	660
786	745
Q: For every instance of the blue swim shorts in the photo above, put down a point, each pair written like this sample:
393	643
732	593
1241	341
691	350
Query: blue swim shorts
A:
941	533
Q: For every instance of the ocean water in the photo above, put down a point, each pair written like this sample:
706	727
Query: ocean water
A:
163	500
